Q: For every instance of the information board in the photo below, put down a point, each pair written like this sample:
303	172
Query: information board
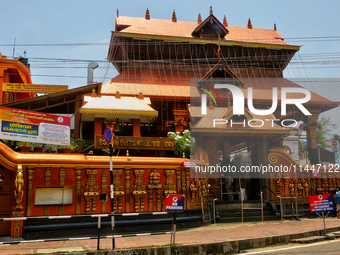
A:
36	127
321	203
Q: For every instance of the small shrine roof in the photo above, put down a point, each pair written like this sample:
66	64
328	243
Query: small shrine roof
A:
124	108
184	29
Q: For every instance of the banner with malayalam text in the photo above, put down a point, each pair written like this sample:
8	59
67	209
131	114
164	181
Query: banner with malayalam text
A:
35	127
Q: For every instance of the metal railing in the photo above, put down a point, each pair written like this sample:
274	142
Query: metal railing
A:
289	205
251	208
98	237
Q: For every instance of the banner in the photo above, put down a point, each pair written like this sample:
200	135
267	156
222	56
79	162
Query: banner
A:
35	127
321	203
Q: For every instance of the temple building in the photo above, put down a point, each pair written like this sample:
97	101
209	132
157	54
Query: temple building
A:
168	71
14	71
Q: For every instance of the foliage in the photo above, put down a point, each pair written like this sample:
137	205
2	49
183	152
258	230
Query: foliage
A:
23	143
51	148
336	137
302	149
11	144
78	145
323	134
183	143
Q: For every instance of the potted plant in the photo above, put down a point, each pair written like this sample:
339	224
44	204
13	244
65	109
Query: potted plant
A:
78	145
38	147
64	148
24	146
51	148
183	143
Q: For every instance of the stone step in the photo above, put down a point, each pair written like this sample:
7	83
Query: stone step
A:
232	210
336	234
311	239
246	213
248	219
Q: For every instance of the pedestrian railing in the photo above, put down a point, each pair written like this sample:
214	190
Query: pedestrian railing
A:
289	204
99	236
251	208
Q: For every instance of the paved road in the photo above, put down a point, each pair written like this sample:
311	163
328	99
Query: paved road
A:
321	248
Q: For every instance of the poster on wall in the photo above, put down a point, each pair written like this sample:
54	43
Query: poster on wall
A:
35	127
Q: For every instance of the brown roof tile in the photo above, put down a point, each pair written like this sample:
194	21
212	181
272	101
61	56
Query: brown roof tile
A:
184	29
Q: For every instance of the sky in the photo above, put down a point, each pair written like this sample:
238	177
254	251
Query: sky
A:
61	37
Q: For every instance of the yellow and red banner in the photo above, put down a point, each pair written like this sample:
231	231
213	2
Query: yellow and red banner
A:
36	127
33	88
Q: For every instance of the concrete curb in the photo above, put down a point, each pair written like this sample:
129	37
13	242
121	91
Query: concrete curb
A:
218	248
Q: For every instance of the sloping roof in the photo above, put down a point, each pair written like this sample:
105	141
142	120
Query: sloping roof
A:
211	22
184	29
177	85
55	100
112	107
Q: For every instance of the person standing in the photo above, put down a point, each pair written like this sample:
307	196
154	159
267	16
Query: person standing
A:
337	202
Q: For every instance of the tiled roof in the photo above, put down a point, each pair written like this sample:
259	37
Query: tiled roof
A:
155	76
151	90
123	106
184	29
178	86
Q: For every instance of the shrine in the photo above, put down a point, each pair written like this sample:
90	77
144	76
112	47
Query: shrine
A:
168	70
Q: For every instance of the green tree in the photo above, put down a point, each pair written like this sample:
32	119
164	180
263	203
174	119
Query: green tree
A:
336	137
302	149
323	133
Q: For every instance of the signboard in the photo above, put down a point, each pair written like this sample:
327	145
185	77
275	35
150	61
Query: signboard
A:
321	203
36	127
137	143
335	148
32	88
108	135
174	203
189	164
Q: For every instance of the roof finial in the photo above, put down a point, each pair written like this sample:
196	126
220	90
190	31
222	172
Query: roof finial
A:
249	24
225	23
174	19
199	20
274	26
117	12
211	11
147	14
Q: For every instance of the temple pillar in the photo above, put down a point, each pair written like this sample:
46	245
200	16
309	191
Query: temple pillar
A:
98	129
30	172
78	171
264	162
77	117
127	172
135	127
226	154
311	138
